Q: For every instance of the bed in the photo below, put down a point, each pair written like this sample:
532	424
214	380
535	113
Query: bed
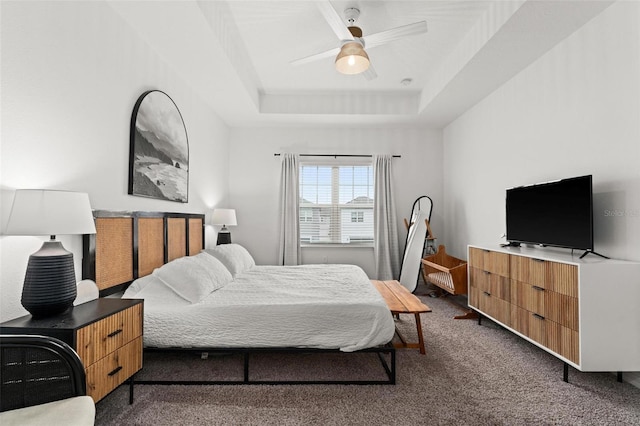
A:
218	300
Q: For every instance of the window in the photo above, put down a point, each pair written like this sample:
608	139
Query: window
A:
306	216
336	204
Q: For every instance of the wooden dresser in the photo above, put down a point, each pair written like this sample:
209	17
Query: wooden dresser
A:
106	333
584	311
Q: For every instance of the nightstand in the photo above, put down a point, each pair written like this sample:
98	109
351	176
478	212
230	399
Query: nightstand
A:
106	333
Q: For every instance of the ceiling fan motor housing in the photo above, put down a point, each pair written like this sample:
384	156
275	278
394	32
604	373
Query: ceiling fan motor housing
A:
351	14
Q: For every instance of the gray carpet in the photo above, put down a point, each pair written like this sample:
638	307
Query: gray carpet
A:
471	375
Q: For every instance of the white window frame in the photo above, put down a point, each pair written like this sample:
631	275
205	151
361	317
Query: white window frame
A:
338	216
357	217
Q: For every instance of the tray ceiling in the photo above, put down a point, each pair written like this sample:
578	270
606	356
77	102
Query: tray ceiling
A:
237	54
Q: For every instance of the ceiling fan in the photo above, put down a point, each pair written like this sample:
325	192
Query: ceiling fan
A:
351	58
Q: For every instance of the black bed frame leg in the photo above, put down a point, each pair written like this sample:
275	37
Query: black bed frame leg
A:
393	367
246	367
619	376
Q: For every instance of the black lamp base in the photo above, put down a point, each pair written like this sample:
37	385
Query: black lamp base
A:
224	238
50	282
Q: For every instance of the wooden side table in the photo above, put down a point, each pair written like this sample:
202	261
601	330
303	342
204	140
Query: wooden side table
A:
106	333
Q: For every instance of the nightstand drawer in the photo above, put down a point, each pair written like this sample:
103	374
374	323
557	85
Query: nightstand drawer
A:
99	339
106	374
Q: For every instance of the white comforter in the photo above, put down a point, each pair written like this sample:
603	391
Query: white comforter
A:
309	306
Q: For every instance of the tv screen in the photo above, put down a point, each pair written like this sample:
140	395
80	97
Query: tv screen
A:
558	213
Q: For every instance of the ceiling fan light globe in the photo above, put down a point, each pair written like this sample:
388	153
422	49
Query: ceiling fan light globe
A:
352	59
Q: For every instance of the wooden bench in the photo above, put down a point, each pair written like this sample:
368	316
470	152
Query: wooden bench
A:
401	301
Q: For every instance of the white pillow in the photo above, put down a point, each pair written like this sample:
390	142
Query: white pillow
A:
219	274
155	292
235	257
193	278
137	286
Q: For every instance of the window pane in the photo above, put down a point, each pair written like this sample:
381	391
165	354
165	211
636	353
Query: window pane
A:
309	175
346	194
362	192
308	195
361	175
324	194
346	174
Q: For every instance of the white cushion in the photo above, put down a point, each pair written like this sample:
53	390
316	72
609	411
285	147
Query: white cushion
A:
235	257
194	277
79	410
87	291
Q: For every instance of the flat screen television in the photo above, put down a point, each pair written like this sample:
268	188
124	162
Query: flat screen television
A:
557	213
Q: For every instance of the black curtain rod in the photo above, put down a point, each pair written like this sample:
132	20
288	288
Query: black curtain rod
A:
337	155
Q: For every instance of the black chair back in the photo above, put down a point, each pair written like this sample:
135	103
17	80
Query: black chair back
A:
38	369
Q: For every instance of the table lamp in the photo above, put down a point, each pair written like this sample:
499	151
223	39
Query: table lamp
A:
50	281
224	217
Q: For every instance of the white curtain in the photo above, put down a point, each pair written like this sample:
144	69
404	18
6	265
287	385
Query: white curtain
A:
290	253
386	251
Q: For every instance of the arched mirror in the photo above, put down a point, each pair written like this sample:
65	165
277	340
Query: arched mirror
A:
414	245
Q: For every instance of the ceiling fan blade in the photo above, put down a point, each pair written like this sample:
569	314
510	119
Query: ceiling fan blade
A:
370	73
394	34
327	54
334	20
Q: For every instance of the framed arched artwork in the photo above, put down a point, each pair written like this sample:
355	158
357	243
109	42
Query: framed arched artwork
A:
159	149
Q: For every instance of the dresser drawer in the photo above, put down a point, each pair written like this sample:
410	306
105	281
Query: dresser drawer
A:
529	297
112	370
562	278
529	270
562	309
100	338
490	261
493	306
563	340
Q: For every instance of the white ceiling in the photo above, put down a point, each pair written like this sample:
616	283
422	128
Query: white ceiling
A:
237	55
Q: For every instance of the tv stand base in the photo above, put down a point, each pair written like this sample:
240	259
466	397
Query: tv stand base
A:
593	252
576	310
510	244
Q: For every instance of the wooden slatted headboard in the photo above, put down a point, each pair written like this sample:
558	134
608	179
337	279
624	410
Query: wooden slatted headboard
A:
130	245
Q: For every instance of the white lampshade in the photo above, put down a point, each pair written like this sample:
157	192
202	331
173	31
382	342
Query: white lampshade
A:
49	212
50	281
224	217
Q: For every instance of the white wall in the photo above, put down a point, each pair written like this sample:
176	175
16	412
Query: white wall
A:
575	111
71	73
255	181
